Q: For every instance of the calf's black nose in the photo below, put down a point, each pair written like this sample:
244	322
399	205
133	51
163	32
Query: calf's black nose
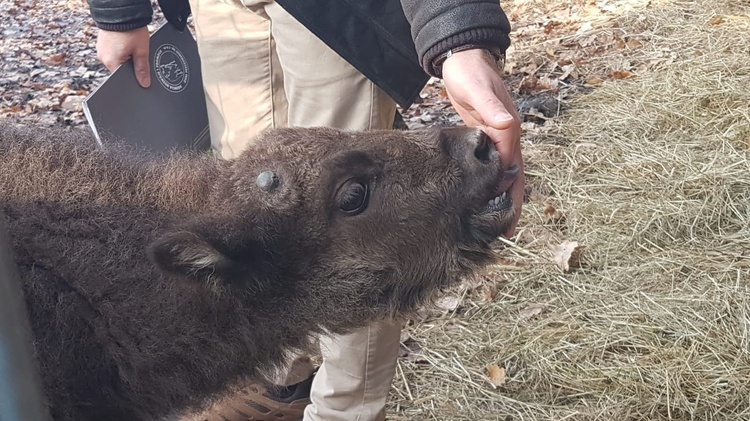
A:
471	148
483	146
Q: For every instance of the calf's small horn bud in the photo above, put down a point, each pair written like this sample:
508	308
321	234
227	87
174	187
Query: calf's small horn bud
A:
267	180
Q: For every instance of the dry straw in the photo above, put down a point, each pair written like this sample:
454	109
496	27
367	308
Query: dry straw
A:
652	175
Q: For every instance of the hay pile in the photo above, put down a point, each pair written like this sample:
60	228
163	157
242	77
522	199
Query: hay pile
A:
652	175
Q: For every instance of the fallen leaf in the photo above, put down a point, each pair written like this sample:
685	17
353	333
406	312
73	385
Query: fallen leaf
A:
567	255
533	84
621	74
497	375
593	81
604	38
548	83
567	70
551	25
72	102
55	59
584	28
411	350
634	44
448	303
531	311
592	10
534	112
588	40
553	215
489	292
528	83
528	126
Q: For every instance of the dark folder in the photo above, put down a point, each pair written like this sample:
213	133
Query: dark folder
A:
169	114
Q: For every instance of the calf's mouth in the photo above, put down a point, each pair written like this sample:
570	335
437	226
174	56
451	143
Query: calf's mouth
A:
494	212
501	203
500	200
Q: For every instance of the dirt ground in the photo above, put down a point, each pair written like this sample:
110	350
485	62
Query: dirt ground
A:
626	293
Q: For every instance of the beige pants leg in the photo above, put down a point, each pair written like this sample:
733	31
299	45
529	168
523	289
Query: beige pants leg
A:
262	69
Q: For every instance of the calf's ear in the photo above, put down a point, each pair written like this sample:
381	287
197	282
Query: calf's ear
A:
221	256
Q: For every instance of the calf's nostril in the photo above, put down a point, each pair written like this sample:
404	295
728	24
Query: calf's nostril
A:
484	147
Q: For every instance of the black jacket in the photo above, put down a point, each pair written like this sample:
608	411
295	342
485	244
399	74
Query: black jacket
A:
392	42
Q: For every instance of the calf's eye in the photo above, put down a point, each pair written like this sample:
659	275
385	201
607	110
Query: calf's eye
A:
353	198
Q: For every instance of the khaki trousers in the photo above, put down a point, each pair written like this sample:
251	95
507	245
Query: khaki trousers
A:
261	69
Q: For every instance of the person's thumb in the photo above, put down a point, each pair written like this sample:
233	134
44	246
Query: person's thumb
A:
142	70
494	114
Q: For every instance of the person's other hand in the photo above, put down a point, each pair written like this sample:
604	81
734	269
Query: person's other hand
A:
479	95
114	48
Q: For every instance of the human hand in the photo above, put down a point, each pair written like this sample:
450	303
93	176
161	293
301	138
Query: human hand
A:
481	99
114	48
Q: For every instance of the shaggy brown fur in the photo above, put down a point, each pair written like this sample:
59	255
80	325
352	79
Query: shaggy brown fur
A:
153	283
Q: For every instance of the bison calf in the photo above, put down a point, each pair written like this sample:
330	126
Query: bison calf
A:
153	283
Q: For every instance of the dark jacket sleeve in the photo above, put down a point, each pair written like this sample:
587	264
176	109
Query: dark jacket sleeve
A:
441	25
120	15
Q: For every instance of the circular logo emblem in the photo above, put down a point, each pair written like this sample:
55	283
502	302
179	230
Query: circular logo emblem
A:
171	68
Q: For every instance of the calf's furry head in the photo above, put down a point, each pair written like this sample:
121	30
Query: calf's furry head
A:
372	221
